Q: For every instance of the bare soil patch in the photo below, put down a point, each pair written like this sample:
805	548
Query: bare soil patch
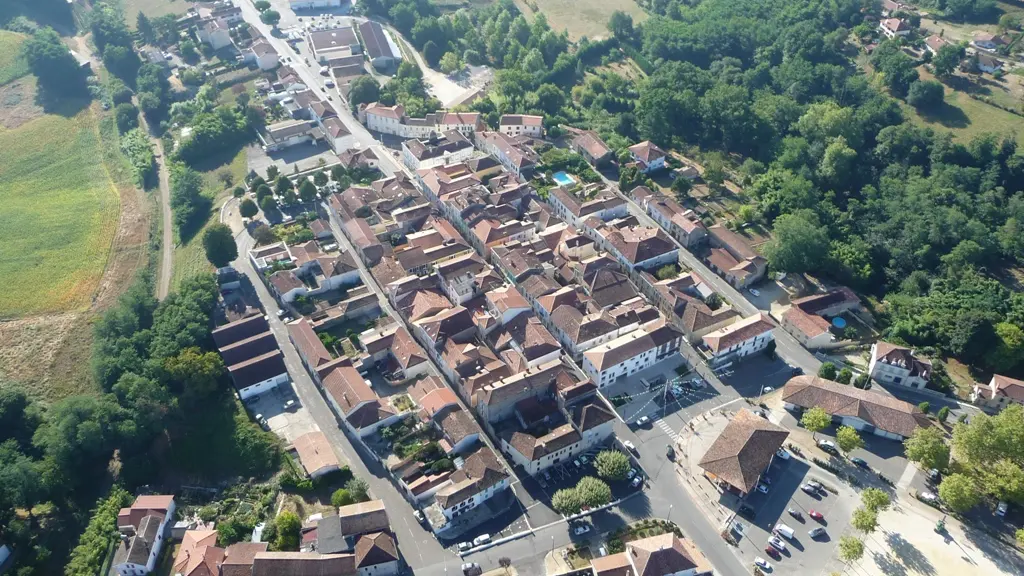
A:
17	103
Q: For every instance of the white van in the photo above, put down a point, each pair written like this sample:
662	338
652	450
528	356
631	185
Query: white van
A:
784	530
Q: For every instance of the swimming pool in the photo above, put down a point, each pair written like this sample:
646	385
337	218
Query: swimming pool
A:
562	179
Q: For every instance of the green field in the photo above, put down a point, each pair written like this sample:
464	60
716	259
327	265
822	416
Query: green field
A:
60	213
152	8
588	19
189	258
966	117
12	65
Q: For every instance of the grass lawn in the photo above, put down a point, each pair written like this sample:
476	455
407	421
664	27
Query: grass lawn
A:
60	213
966	118
189	258
152	8
588	19
12	65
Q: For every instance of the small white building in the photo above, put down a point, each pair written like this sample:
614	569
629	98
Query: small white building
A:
143	529
313	4
263	55
215	33
1000	392
521	124
449	148
648	156
743	338
481	477
893	27
892	364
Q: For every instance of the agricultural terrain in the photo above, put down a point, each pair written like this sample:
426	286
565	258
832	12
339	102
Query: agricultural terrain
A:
588	19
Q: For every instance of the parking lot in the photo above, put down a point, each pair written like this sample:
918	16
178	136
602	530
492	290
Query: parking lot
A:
803	554
288	423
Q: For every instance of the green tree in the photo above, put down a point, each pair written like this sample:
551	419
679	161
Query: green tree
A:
261	5
943	413
681	188
865	520
827	370
307	190
844	376
925	95
666	272
194	375
875	499
219	244
612	464
288	529
848	439
88	555
927	447
268	204
851	549
593	492
432	53
450	63
320	178
270	17
959	492
51	62
924	407
816	420
248	208
567	502
714	171
947	59
1020	536
1009	350
145	28
127	117
272	173
342	497
620	24
364	90
798	245
359	489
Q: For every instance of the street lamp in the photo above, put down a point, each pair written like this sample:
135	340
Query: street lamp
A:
669	512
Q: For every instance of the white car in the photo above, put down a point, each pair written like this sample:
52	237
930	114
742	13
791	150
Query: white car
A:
762	563
631	473
1002	508
767	389
463	546
777	543
782	454
581	529
481	539
762	488
629	445
643	421
584	460
637	481
927	496
754	291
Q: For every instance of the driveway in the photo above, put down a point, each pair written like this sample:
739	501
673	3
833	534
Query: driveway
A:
287	423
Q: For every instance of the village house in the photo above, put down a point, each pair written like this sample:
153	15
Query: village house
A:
742	452
436	150
733	258
681	223
514	153
1000	392
630	353
875	412
576	204
894	27
250	353
648	156
892	364
521	124
739	339
588	144
315	454
393	120
143	529
663	555
807	318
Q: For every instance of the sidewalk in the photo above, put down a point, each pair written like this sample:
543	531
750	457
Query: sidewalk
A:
554	564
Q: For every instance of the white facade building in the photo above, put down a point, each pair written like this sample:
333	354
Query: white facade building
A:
892	364
740	339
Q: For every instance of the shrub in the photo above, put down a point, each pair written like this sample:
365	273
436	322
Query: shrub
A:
342	497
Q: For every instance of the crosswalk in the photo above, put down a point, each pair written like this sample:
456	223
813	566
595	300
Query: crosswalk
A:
668	429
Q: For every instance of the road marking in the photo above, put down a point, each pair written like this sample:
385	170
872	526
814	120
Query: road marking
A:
668	429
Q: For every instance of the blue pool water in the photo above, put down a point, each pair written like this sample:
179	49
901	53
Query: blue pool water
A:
562	179
839	322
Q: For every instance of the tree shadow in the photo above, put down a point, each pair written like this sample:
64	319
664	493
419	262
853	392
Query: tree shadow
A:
61	105
908	554
966	84
1002	555
888	565
947	115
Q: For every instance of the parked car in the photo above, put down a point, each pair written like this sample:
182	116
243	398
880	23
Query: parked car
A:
463	546
762	563
860	462
772	552
418	515
815	532
746	511
637	481
262	422
642	421
797	371
577	463
289	405
927	496
581	529
828	446
816	485
481	539
471	569
777	543
629	446
809	489
762	488
1002	508
767	389
631	473
782	454
754	291
584	459
816	515
547	476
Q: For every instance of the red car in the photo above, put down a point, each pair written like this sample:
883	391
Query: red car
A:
772	552
816	515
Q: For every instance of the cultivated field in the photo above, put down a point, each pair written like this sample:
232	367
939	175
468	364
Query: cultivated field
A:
60	214
12	65
588	19
152	8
